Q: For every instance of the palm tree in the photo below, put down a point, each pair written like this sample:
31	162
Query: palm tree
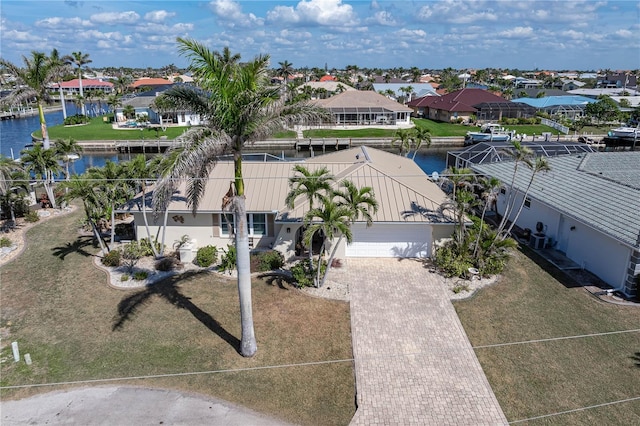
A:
43	164
240	106
311	184
520	154
82	187
330	220
402	139
11	176
361	203
226	57
113	102
490	187
55	59
110	179
539	165
79	59
140	171
31	82
421	135
7	167
66	148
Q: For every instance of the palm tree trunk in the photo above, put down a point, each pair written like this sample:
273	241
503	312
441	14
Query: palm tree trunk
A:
248	346
113	224
43	127
524	197
146	221
48	189
331	257
317	280
164	229
484	211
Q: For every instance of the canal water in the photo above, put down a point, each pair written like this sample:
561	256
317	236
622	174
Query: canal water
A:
15	135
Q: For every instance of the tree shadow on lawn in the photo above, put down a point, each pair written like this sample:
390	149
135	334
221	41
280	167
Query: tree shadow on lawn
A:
278	278
563	277
78	246
168	290
636	359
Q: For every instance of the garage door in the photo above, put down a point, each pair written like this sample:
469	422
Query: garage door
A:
402	240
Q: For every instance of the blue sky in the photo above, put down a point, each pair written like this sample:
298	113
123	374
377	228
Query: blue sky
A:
526	34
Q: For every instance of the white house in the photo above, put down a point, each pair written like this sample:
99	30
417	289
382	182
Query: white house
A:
408	220
589	208
366	108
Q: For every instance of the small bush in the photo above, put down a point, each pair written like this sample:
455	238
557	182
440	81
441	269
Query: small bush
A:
167	264
140	275
270	260
124	277
228	259
145	245
131	254
303	275
459	288
76	119
206	256
112	258
31	217
5	242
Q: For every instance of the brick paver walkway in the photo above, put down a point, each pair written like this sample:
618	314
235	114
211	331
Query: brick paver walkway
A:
414	363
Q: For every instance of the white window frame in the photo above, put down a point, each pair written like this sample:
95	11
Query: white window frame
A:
250	223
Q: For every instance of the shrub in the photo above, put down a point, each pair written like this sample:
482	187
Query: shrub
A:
270	260
31	217
206	256
167	264
112	258
76	119
451	263
140	275
5	242
124	277
228	259
145	245
131	253
303	275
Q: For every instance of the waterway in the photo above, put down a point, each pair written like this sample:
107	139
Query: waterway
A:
15	135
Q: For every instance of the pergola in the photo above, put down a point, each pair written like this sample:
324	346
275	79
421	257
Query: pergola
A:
569	111
363	115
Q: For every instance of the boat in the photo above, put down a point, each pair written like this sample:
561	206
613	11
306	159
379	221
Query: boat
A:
625	132
490	132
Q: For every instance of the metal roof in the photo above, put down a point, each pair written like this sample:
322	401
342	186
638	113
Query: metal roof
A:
403	191
600	189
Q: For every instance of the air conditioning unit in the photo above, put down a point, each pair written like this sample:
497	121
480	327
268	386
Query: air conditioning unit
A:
536	241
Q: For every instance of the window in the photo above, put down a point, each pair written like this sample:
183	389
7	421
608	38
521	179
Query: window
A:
503	190
527	202
256	222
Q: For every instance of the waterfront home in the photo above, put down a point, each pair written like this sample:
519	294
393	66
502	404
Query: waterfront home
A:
365	108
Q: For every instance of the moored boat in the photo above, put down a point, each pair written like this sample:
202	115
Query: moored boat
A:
490	132
625	132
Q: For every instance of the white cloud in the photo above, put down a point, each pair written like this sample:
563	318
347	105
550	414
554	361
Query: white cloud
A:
115	18
231	15
383	18
314	12
158	15
19	36
410	34
517	32
62	23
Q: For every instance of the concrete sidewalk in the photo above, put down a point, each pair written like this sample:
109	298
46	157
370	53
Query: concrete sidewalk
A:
124	405
414	363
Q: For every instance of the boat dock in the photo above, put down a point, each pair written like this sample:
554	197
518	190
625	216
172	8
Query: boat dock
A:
19	113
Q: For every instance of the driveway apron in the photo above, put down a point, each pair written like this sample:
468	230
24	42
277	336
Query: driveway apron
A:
414	363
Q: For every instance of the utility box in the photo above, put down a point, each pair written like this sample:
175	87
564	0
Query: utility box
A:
536	241
188	251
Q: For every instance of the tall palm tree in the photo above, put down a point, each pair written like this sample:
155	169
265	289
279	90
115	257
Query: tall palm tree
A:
361	202
239	106
79	59
226	57
520	154
66	149
420	136
285	71
82	187
489	187
31	82
313	185
140	172
330	220
7	167
43	164
110	179
539	165
402	140
56	60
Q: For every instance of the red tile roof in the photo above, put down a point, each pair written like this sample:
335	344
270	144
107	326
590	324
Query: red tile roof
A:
86	83
328	78
150	82
458	101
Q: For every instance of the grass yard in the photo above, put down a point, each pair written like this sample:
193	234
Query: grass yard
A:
59	308
536	379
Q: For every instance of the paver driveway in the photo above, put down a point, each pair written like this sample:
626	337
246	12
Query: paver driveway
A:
414	363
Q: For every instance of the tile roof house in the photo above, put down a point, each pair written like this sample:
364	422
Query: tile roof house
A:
588	205
408	220
365	107
150	82
72	87
457	105
143	105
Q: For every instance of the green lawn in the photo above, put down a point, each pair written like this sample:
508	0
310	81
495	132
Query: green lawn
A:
59	308
536	379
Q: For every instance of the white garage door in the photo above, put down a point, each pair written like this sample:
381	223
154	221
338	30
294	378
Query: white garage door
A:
402	240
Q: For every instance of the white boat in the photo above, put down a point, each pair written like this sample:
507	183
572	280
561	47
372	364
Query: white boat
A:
625	132
490	132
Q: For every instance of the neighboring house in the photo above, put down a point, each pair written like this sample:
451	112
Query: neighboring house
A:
616	81
149	82
365	108
570	106
572	84
72	87
455	106
419	90
323	89
407	223
143	105
594	93
588	205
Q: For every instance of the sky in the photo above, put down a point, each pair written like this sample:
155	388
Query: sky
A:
462	34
